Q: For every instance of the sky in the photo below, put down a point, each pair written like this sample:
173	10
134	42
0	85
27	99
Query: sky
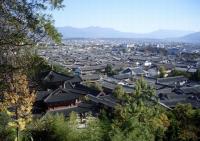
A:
139	16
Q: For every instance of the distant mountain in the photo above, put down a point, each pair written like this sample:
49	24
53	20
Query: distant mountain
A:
93	32
99	32
163	34
191	38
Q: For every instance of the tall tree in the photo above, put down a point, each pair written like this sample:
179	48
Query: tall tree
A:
18	101
140	117
185	124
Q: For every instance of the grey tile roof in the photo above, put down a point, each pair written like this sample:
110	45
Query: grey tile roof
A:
166	66
102	100
191	90
41	95
122	76
90	77
171	80
109	98
87	89
170	97
112	86
135	71
62	95
53	76
91	68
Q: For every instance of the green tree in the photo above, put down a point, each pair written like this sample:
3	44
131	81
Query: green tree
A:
6	133
58	128
35	66
184	124
25	23
61	69
54	128
119	92
109	70
162	71
94	85
180	73
140	117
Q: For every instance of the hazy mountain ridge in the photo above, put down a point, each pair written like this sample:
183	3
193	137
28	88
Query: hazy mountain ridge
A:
99	32
192	38
93	32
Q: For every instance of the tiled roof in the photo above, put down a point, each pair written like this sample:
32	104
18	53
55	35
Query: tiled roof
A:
87	89
122	76
112	86
102	100
41	95
61	95
53	76
191	90
91	77
171	80
90	68
171	97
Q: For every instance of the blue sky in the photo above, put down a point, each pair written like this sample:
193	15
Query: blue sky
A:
138	16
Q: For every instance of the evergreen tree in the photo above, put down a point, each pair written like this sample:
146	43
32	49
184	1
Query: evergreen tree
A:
185	125
140	117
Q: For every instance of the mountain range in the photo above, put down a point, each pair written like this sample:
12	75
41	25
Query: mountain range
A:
99	32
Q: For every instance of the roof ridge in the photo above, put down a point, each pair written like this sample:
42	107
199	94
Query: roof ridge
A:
52	93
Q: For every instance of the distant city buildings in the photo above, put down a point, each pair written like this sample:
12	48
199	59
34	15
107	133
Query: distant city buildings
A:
129	61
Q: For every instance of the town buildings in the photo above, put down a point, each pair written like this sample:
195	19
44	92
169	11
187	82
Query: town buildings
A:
130	60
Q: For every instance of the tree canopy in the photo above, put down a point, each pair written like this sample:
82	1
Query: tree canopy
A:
25	23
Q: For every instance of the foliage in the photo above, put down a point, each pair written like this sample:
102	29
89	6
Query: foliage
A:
162	71
140	117
109	70
24	22
185	125
94	85
18	101
50	128
61	69
5	70
35	66
97	130
58	128
137	117
192	76
6	132
180	73
119	92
